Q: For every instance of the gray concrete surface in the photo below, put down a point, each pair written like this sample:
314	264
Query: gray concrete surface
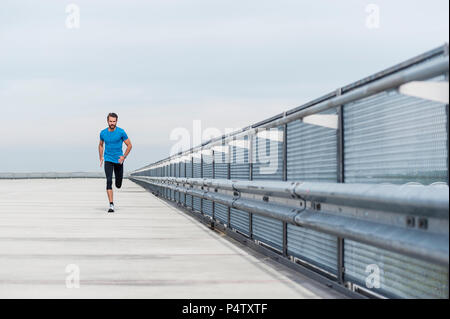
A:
29	175
147	249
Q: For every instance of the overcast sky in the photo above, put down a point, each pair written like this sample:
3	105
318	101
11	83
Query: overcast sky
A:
161	64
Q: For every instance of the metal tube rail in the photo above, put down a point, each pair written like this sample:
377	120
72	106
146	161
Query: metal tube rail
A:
432	247
407	199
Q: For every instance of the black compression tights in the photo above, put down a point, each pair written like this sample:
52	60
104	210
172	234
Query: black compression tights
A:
118	173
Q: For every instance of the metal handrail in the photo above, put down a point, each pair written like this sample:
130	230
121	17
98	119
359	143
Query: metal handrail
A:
396	198
429	246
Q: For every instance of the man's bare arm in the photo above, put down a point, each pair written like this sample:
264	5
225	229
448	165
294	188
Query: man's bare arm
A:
127	151
100	152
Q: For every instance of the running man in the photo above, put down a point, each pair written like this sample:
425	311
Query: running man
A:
113	137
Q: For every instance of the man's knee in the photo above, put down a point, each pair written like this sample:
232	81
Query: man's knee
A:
118	183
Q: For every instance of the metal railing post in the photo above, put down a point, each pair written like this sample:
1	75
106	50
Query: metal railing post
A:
229	177
340	260
250	156
284	152
192	174
250	177
201	175
213	176
185	174
285	248
448	172
179	175
446	53
340	179
340	141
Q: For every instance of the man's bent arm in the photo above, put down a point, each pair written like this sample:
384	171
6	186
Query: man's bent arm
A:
129	147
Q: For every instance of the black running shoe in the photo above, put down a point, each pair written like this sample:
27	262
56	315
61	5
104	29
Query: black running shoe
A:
111	208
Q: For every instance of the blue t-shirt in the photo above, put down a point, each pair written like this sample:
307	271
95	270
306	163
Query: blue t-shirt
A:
113	143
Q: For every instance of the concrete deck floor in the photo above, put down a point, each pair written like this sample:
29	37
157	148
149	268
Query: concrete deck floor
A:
147	249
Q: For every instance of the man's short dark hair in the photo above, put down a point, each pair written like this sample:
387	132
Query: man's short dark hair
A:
112	115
